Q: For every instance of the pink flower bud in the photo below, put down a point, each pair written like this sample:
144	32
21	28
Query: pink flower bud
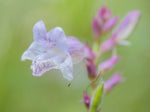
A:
86	100
97	28
107	45
91	69
98	23
114	80
110	24
89	54
103	14
109	64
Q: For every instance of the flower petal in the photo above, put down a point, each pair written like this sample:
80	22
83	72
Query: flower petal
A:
76	49
47	61
127	25
39	32
67	68
33	51
57	36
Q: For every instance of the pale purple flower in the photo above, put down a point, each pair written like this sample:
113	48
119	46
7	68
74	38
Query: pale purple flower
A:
108	64
126	27
52	50
111	82
86	100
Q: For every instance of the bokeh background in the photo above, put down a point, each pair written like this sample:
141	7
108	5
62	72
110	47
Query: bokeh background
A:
21	92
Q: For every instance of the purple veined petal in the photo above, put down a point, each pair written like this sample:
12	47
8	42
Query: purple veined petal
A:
53	59
47	61
67	68
110	23
113	81
76	49
127	25
39	32
57	36
108	64
34	50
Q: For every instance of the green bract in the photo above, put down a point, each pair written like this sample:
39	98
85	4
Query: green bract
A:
96	98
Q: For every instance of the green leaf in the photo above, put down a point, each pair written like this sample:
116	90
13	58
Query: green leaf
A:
97	98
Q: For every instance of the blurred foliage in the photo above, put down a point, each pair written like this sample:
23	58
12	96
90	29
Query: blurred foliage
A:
21	92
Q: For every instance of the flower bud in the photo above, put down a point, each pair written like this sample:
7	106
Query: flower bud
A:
86	100
91	69
103	14
108	64
114	80
108	44
89	54
98	23
110	24
126	27
97	28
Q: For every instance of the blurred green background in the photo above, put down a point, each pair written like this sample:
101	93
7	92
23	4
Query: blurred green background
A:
21	92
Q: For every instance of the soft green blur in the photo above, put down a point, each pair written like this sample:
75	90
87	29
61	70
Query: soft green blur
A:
21	92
